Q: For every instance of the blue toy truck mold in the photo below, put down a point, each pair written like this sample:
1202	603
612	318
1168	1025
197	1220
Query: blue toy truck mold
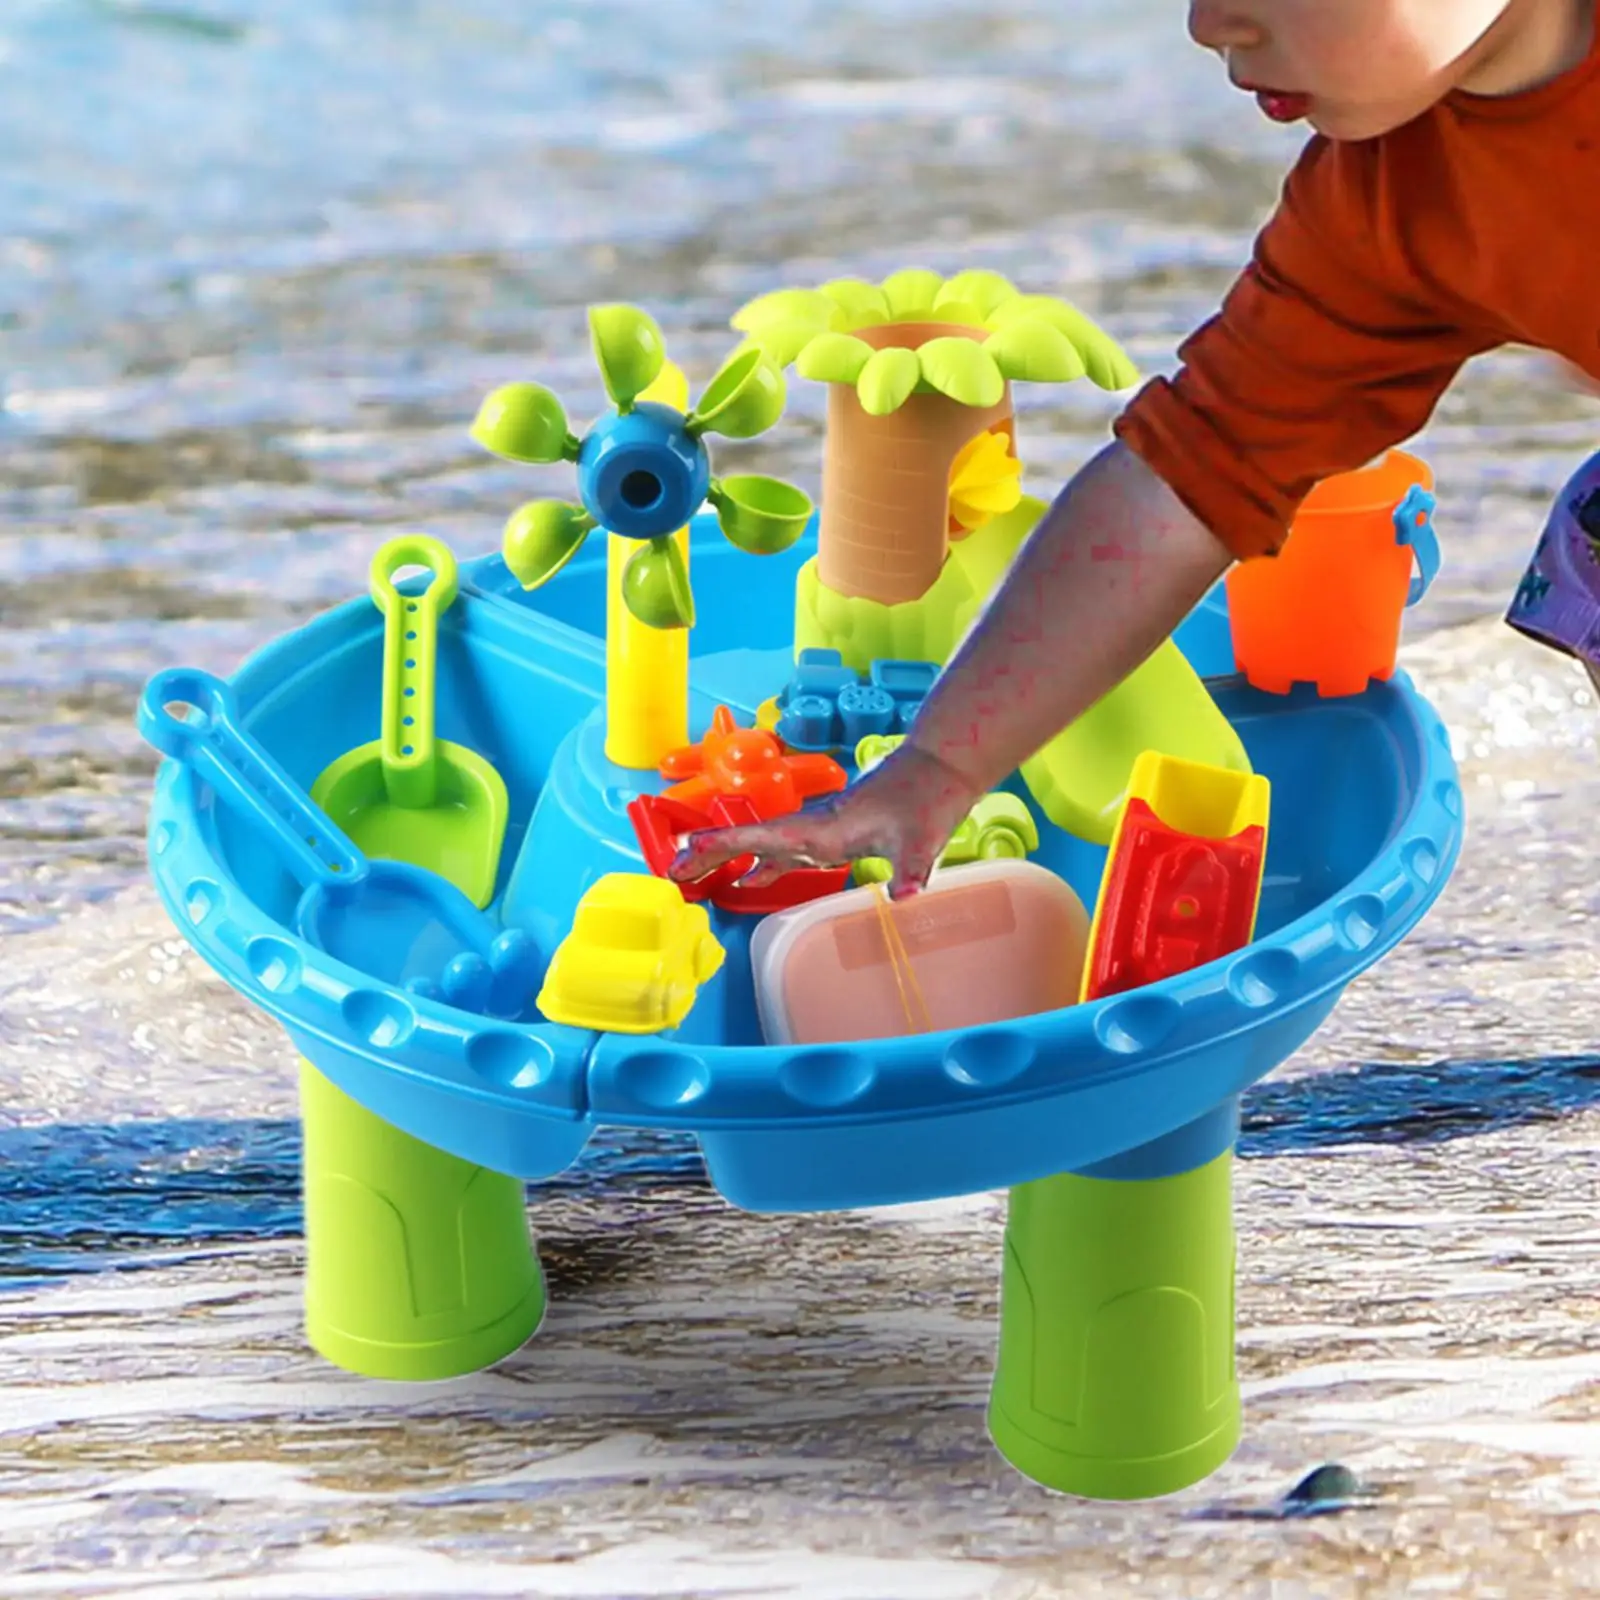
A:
829	706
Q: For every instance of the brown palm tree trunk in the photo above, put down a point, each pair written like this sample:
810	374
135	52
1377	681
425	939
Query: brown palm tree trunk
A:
885	527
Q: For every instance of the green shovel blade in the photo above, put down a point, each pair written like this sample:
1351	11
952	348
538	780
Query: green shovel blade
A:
409	796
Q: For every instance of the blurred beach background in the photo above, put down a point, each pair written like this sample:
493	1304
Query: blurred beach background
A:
258	262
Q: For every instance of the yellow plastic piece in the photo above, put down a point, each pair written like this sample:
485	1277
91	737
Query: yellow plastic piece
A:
768	715
1080	778
985	480
1204	801
1192	797
647	669
635	958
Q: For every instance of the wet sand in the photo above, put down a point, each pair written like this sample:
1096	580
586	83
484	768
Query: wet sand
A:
721	1403
247	307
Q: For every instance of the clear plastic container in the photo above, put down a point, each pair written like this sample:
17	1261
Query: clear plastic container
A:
983	943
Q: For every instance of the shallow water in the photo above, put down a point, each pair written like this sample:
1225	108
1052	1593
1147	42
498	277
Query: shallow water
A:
257	264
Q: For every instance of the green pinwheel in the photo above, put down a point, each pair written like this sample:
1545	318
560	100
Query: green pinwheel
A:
644	468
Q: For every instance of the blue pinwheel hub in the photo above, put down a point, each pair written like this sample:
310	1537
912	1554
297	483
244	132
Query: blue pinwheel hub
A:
642	473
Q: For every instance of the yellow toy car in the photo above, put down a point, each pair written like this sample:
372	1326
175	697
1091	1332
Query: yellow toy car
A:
635	958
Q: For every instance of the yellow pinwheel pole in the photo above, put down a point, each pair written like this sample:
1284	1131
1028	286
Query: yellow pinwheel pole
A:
649	605
647	669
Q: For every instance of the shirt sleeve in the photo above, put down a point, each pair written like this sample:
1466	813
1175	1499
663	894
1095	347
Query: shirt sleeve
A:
1329	349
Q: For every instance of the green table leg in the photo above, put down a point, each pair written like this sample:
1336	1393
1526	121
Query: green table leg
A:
1115	1378
418	1265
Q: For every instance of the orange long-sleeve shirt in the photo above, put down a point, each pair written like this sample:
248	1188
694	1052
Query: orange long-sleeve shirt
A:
1387	265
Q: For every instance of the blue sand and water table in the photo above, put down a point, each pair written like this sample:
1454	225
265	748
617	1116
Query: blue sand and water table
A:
1136	1096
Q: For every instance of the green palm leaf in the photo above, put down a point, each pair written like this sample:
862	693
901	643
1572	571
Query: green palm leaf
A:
887	380
962	369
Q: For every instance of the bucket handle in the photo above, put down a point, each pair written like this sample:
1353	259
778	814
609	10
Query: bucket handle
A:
1413	525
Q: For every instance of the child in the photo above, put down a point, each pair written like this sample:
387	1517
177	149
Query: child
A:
1449	204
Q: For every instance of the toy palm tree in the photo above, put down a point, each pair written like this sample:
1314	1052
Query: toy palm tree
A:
643	468
920	369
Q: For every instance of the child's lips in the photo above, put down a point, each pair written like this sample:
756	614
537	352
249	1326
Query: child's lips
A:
1282	105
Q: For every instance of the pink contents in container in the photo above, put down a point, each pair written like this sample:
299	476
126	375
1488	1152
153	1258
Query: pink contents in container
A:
983	943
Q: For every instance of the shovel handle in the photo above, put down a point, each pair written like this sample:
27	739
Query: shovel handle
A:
410	664
238	768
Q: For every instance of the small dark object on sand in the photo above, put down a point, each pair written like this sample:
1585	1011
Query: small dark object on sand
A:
1327	1488
1323	1491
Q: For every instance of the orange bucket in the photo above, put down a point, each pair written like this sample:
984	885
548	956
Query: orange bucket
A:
1327	608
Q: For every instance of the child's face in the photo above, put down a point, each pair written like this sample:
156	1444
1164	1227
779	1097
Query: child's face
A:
1353	69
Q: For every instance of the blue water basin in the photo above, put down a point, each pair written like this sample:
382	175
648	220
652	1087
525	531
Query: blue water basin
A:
1366	829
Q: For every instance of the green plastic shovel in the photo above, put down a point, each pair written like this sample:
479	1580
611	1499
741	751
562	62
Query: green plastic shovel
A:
408	796
419	1265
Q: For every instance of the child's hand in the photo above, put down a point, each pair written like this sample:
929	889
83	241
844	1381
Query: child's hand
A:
903	811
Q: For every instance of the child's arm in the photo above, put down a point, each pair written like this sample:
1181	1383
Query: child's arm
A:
1335	343
1106	576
